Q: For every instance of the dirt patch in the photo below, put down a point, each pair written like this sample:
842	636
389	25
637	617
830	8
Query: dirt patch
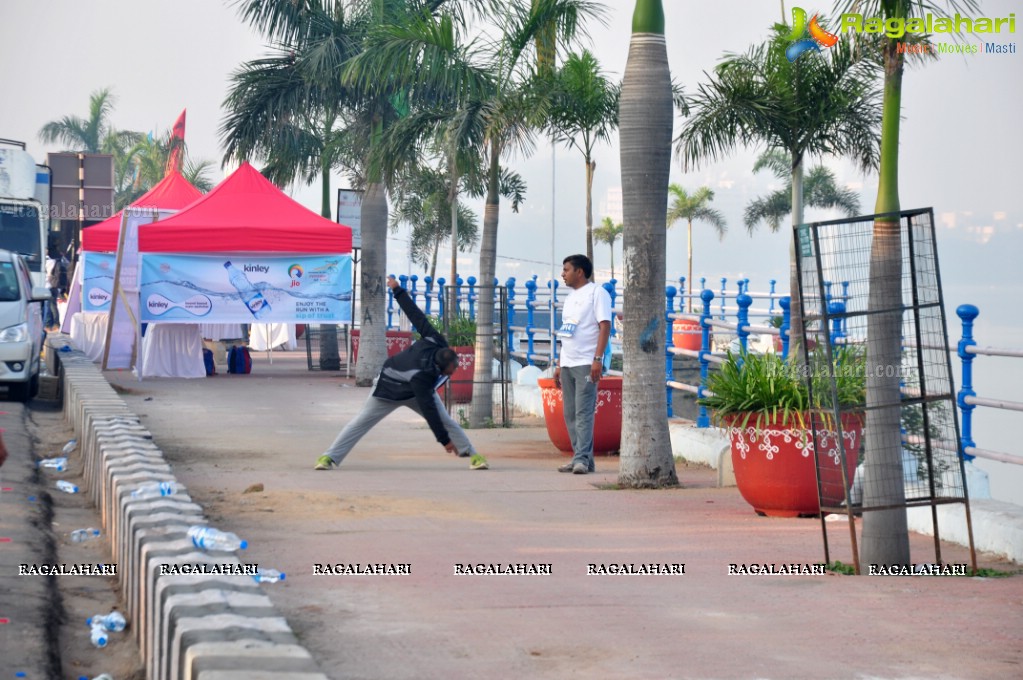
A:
288	505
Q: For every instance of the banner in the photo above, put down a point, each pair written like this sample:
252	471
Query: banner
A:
246	288
97	281
349	213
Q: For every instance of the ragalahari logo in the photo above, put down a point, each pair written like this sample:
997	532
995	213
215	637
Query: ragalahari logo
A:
800	43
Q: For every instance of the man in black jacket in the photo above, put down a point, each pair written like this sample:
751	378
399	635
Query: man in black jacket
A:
410	378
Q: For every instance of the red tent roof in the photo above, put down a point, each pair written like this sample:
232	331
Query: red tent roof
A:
245	213
173	192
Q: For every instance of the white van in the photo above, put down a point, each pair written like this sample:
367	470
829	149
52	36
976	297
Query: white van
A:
21	327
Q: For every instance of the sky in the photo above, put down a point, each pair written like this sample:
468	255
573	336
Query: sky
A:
960	150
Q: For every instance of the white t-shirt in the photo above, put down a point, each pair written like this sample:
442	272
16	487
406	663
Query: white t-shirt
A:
584	309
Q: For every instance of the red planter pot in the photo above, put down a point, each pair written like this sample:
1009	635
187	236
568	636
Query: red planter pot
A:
775	467
607	420
396	342
461	380
686	334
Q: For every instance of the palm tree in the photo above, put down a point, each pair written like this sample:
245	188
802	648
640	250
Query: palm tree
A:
583	113
608	232
645	126
422	202
292	108
885	532
493	81
691	208
760	97
83	135
819	191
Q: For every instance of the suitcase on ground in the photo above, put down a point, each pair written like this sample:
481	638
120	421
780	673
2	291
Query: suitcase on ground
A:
207	359
239	360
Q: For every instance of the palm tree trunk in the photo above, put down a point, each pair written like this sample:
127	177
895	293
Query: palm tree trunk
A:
645	115
591	165
612	259
330	355
885	532
796	319
483	389
373	322
689	271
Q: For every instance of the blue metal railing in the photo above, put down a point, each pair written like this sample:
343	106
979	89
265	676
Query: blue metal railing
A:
529	322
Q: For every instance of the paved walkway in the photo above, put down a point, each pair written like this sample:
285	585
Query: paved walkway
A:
399	499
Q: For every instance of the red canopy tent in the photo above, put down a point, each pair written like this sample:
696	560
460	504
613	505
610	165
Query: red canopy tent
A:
173	192
246	213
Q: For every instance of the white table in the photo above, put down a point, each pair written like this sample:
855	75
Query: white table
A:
172	350
89	333
221	331
267	336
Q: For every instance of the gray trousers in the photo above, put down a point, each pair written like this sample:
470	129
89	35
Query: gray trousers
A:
579	401
376	409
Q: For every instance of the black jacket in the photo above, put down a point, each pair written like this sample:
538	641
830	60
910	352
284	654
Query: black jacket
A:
413	373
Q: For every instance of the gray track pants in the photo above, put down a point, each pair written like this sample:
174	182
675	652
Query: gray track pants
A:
579	402
376	409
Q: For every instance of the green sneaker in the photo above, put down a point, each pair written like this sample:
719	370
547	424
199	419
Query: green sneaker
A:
324	463
478	462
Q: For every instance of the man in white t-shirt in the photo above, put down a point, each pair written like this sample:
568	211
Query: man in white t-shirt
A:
584	332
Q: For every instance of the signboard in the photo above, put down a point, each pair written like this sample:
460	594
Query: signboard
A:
97	281
349	213
246	288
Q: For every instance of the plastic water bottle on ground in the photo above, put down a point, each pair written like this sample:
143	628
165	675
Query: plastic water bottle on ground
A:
98	635
66	486
82	535
103	676
268	576
155	490
113	621
69	447
58	464
209	538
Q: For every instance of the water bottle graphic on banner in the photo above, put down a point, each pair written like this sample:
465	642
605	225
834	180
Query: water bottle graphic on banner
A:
250	295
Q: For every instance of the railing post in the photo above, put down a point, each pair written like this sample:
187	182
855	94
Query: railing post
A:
428	283
743	301
669	307
836	310
458	296
845	301
412	291
472	297
770	309
440	297
724	296
786	321
510	286
553	285
702	419
530	318
967	313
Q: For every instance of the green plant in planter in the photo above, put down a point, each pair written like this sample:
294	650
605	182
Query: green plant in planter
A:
461	331
764	387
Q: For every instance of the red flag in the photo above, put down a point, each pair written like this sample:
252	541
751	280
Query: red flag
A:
177	145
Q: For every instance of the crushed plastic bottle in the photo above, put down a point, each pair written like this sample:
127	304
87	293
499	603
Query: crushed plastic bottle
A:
69	447
268	576
102	676
113	621
58	464
155	490
66	486
82	535
98	635
209	538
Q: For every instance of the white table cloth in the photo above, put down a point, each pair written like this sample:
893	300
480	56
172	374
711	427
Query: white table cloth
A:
222	331
89	333
172	350
265	336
